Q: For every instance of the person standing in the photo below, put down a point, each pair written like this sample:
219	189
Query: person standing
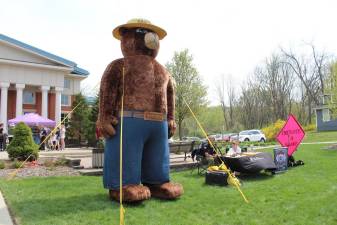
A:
43	137
62	137
54	142
58	138
36	134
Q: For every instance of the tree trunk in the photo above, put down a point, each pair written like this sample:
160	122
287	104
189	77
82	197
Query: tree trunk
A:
180	129
309	113
223	107
309	109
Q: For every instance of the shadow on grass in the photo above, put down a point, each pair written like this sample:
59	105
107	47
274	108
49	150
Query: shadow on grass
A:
41	209
194	174
245	177
255	177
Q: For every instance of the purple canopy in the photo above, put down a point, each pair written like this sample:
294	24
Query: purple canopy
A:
33	119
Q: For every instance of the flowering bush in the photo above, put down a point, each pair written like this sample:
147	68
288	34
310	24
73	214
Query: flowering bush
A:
309	127
272	130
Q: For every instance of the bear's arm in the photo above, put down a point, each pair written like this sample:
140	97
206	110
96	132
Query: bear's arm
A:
109	94
170	99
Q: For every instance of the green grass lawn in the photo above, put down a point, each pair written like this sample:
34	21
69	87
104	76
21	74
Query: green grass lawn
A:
303	195
320	136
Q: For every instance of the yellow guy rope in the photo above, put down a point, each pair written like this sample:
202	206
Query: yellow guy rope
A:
121	208
231	177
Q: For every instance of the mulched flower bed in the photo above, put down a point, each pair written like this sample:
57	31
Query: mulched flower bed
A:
41	171
38	169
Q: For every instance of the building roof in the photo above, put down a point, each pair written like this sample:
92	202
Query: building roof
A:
76	70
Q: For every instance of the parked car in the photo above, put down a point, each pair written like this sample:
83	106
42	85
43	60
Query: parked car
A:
226	137
252	135
221	137
234	137
217	137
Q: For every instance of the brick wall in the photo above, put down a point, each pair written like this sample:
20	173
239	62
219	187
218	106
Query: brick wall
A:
11	104
51	106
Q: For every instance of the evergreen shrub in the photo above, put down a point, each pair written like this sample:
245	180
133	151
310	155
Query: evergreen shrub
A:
22	144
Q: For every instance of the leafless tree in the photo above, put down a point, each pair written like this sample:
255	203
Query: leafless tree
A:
253	107
220	91
311	71
275	80
231	100
225	91
322	65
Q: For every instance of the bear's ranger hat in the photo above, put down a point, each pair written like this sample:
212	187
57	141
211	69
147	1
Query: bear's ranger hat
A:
139	23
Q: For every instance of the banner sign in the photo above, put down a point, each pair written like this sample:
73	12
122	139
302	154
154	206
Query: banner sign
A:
291	135
281	159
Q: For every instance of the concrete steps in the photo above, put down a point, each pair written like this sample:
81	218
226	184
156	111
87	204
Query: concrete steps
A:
178	166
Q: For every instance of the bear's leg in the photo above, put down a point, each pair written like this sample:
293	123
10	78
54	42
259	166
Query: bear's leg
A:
133	142
156	164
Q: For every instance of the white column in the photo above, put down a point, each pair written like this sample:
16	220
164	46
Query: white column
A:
3	107
58	92
44	111
19	89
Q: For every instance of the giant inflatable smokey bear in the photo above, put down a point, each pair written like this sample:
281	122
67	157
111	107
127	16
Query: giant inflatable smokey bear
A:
148	116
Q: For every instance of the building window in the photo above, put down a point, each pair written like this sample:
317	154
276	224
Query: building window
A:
66	83
31	111
326	115
326	99
65	121
28	97
65	100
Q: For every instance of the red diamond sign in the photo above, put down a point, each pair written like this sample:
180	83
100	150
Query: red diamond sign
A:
291	135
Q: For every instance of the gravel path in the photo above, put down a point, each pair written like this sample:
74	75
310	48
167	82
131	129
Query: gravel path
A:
41	171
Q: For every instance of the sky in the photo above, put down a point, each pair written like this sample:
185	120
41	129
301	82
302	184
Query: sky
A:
224	37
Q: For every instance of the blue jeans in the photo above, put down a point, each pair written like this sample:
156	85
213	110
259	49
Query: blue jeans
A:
36	139
146	156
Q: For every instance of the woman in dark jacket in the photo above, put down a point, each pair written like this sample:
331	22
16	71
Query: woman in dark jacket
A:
2	140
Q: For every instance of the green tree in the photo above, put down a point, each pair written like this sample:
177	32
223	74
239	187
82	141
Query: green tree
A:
93	114
22	145
188	87
79	124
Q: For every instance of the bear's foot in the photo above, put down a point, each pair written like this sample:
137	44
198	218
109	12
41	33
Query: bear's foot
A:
166	190
131	193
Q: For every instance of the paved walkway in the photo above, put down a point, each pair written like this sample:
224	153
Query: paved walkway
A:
5	218
3	155
303	143
320	142
85	154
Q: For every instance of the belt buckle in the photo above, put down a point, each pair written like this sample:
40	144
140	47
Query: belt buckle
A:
154	116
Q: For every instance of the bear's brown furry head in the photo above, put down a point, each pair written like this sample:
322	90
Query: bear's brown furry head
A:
132	43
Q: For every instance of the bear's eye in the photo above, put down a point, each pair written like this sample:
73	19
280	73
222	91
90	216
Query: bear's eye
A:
123	31
142	31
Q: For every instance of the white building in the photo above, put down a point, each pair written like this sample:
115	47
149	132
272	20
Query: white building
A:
33	80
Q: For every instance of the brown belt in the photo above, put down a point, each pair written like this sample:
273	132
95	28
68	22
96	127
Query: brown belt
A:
154	116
